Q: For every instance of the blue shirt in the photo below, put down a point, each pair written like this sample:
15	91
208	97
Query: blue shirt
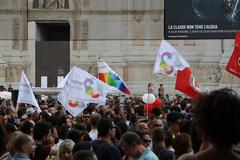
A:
148	155
19	156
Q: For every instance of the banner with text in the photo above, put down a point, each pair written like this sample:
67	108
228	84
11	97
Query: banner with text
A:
204	19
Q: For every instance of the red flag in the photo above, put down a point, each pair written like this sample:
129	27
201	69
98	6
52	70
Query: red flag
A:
187	84
233	65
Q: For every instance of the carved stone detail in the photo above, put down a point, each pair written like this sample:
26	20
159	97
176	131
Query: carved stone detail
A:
125	72
76	35
155	18
24	24
84	43
13	72
138	18
51	4
2	72
211	73
76	5
85	3
139	65
16	29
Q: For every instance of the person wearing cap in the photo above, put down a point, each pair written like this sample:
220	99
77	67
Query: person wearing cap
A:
30	111
30	114
103	146
173	120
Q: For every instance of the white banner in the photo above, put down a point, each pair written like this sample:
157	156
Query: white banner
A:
25	94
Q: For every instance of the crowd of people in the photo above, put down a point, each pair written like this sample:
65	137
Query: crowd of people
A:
181	128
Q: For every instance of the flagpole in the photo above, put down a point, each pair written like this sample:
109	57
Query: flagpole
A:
221	79
55	104
17	107
99	58
174	92
231	81
148	92
147	105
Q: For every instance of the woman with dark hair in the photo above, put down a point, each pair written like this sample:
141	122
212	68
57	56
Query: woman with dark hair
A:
27	127
87	154
75	135
217	116
82	145
182	144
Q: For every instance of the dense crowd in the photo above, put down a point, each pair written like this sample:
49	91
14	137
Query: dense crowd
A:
180	128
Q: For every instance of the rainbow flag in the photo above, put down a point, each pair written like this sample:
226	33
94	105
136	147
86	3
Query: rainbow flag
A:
108	76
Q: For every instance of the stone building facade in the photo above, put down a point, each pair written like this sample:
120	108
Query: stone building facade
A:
125	33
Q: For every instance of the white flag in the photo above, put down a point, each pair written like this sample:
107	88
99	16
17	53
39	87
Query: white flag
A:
69	97
81	88
168	60
61	85
108	76
25	94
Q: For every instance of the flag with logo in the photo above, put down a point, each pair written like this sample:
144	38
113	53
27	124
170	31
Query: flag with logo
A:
25	94
82	88
187	84
233	65
168	60
108	76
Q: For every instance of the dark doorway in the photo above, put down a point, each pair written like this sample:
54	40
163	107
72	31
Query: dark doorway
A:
52	51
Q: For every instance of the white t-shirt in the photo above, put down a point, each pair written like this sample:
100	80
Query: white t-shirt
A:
93	134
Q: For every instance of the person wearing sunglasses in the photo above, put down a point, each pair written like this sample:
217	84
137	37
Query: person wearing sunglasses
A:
145	138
